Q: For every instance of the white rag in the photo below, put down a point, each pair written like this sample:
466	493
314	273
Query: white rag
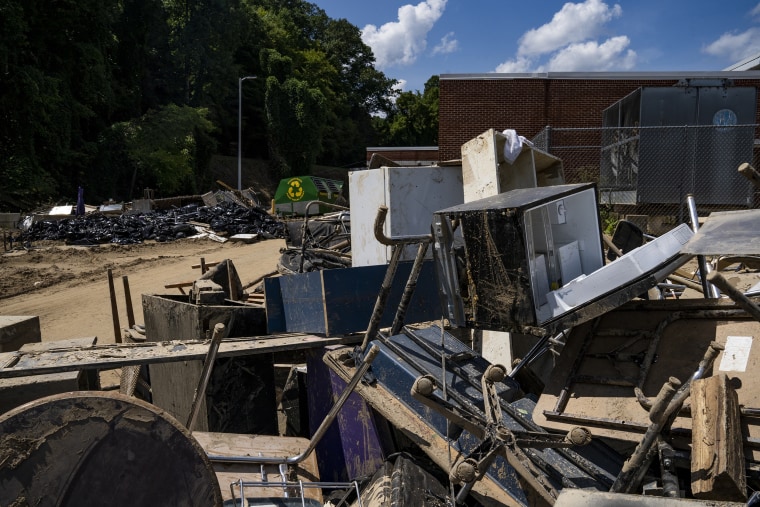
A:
513	146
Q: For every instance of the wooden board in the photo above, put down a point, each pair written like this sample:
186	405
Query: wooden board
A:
85	342
717	452
680	349
117	355
173	317
232	444
16	331
173	387
17	391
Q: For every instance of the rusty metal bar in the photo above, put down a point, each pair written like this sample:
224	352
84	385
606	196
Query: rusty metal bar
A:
397	245
634	468
411	285
564	394
382	298
735	294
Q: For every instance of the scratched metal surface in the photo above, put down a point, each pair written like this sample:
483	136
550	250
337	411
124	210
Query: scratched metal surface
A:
727	232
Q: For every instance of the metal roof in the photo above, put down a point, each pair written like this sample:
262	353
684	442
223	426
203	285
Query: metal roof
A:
666	75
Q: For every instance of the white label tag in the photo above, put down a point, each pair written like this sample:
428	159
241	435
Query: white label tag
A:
736	354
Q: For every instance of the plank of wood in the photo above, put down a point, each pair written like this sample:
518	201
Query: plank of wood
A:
717	454
117	355
172	388
85	343
205	264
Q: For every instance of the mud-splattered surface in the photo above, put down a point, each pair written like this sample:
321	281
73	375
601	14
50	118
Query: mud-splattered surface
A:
102	448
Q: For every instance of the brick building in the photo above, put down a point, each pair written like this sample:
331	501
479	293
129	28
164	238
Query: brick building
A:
406	155
472	103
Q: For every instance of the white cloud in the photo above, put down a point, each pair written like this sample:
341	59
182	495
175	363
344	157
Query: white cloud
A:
447	45
401	42
755	12
570	42
519	64
592	56
573	23
736	46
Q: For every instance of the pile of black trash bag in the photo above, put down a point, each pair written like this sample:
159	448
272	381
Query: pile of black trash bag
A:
161	225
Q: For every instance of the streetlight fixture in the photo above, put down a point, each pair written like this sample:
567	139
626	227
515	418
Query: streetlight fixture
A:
240	130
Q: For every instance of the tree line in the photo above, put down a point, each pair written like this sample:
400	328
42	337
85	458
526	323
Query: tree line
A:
120	95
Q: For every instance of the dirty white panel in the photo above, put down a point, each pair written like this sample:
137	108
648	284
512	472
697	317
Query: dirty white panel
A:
367	194
620	272
412	195
496	348
480	167
66	209
569	261
736	353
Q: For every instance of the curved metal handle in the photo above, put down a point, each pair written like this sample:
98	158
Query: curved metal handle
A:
382	213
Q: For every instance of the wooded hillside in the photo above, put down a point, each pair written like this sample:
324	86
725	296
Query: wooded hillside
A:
119	95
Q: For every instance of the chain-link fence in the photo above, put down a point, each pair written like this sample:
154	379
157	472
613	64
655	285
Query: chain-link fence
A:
644	174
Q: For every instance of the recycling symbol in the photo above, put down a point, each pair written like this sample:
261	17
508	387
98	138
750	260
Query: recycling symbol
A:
295	189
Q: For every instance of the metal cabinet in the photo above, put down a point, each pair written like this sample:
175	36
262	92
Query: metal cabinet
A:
412	195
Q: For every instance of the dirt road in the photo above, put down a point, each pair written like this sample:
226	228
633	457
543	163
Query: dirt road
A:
67	287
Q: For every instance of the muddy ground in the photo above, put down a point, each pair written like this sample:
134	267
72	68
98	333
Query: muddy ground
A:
67	286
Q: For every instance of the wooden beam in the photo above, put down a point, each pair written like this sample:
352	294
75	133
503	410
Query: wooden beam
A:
204	265
117	355
717	455
750	173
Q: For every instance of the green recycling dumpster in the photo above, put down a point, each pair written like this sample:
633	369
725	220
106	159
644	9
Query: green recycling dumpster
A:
293	194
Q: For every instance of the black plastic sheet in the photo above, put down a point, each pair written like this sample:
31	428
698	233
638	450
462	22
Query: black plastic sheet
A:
167	225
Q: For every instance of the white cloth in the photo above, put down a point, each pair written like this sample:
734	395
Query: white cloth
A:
513	146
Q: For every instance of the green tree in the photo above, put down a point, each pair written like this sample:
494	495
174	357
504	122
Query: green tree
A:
329	56
82	81
414	119
56	94
296	118
168	148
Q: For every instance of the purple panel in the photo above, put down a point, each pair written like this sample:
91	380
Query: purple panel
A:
352	446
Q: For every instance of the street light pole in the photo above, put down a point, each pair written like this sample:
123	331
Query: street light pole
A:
240	130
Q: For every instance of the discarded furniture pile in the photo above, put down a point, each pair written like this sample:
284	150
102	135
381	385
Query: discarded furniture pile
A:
481	342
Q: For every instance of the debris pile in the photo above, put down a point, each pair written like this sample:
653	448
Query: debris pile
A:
225	218
500	350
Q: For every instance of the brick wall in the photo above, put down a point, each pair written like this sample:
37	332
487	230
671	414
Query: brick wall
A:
470	106
410	156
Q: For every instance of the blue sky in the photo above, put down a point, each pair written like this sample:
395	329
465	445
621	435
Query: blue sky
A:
415	40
